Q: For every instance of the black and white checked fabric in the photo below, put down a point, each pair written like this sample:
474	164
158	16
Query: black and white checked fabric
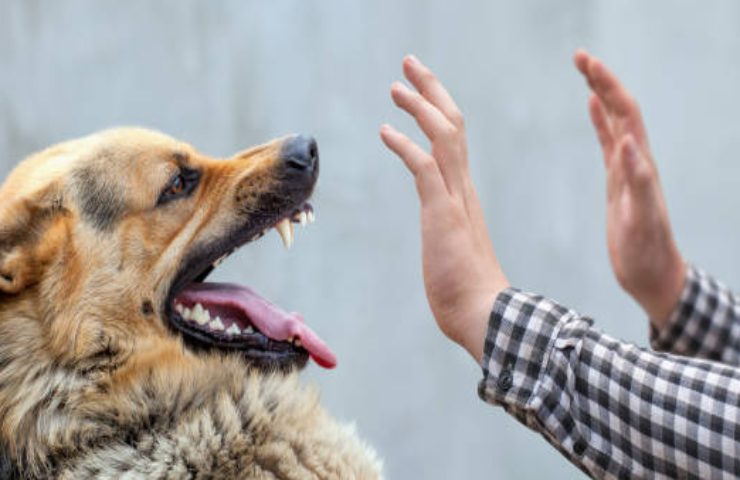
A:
705	324
612	408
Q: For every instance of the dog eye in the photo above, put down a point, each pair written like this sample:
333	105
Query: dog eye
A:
181	185
176	186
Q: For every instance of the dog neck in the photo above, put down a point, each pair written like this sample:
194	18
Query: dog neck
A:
62	418
8	469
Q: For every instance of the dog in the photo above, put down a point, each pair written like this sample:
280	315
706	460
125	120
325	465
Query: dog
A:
117	359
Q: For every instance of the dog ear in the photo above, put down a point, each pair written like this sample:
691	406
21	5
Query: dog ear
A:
24	221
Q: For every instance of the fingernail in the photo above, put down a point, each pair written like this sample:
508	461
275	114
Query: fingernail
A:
412	58
398	87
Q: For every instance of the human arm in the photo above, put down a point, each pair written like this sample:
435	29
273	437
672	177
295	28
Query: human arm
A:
462	275
690	312
613	409
609	407
704	324
642	250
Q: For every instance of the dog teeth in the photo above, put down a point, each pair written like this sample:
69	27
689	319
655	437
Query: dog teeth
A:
297	342
303	218
233	329
200	314
285	228
216	324
310	216
197	314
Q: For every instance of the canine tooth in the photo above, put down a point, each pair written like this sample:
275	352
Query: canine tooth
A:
303	218
311	216
233	329
179	308
285	229
187	314
297	342
216	324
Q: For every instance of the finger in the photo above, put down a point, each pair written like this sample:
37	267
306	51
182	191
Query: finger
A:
448	142
604	132
603	82
618	101
431	121
607	86
429	181
424	80
581	59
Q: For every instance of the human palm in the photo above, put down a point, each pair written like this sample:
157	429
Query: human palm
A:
643	253
461	273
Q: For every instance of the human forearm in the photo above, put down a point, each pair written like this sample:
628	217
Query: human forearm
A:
704	322
611	408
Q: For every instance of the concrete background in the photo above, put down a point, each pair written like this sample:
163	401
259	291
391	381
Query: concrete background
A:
226	75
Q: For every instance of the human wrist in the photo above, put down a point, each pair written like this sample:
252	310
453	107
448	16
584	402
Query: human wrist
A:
660	305
474	326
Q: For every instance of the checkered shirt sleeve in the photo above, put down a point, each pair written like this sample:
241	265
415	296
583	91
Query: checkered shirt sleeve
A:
613	409
704	324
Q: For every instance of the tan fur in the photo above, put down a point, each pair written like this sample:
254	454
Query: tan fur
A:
92	385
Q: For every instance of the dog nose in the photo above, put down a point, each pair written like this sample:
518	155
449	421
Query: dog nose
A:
301	153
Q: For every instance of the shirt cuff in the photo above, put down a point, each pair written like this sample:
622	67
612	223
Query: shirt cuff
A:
697	324
522	331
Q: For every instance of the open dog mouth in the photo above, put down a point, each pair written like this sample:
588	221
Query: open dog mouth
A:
232	317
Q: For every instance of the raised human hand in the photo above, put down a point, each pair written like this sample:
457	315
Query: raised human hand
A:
642	250
461	273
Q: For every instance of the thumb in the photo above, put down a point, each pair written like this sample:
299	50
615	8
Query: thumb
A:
638	172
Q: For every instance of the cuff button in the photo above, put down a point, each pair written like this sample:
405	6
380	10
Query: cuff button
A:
505	380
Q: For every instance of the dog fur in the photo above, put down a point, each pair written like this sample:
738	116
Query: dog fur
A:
93	383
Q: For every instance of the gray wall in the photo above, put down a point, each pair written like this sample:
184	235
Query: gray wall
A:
225	75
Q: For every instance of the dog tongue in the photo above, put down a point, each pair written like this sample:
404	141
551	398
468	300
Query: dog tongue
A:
269	319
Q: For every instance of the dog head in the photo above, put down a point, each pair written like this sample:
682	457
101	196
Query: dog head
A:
105	242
